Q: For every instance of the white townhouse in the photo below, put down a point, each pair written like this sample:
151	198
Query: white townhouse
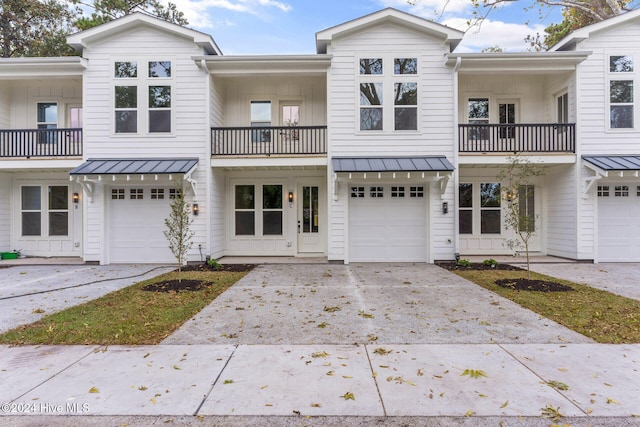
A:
384	145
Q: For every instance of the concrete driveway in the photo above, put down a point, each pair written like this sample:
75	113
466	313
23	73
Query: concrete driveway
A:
29	292
618	278
297	304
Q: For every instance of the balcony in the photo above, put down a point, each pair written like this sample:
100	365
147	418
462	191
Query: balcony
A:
517	138
269	141
30	143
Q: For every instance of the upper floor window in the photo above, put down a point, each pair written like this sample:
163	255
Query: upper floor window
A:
133	95
47	115
261	118
562	108
391	99
621	92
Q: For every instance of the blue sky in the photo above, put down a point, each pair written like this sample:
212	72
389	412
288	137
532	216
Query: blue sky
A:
243	27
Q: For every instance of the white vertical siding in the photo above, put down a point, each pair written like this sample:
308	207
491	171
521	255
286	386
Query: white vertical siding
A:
26	95
5	105
442	226
561	210
218	214
5	212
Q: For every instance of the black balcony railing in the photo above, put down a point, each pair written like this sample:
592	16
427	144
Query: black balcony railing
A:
517	138
277	140
41	143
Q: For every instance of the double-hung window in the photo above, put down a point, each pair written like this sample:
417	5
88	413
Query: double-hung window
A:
478	114
621	92
259	210
388	91
136	90
54	210
47	119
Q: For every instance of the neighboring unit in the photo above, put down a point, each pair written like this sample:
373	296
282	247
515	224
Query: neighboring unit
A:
384	145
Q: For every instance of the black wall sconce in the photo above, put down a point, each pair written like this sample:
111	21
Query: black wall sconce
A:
75	197
196	209
445	207
290	196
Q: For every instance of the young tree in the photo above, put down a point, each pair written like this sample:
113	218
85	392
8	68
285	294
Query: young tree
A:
517	189
178	225
35	27
108	10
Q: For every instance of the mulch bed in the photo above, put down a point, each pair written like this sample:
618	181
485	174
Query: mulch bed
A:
524	284
452	266
176	286
234	268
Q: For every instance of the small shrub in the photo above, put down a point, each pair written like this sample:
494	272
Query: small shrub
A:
463	263
490	262
214	264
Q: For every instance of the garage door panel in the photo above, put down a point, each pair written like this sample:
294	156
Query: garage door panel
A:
618	223
387	228
136	229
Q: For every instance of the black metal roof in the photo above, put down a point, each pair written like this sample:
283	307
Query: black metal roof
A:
135	166
615	163
392	164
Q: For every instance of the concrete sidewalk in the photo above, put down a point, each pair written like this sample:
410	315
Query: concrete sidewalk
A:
42	384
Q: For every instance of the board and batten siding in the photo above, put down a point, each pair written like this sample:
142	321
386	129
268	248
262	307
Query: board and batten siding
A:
5	105
5	212
436	127
25	96
190	120
561	211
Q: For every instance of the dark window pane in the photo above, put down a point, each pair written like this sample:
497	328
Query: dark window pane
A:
245	224
490	195
31	198
622	116
405	66
245	197
621	64
370	93
406	118
621	91
159	96
526	208
272	196
466	222
58	197
159	68
160	121
371	119
126	97
371	66
490	221
125	69
31	224
406	94
466	195
58	223
272	223
47	112
126	121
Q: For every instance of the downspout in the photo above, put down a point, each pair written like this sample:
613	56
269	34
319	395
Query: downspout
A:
208	171
456	169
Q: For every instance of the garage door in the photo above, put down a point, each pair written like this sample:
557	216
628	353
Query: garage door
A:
136	225
618	223
387	223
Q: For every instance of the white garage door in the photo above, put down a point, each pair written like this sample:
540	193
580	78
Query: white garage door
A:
387	223
136	225
618	223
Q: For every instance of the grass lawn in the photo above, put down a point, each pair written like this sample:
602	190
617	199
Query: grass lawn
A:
597	314
128	316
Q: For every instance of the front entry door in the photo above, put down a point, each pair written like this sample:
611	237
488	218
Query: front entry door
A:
309	219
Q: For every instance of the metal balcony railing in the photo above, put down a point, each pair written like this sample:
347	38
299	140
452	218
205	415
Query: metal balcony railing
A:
31	143
517	138
265	141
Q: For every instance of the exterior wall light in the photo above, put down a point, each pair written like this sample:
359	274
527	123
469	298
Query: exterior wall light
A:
196	209
445	208
290	196
75	197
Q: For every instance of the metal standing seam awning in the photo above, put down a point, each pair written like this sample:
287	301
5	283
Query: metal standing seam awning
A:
439	165
606	166
95	169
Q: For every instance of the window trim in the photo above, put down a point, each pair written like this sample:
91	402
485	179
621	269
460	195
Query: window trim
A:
631	76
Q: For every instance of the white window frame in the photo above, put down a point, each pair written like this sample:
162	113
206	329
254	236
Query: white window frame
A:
258	210
634	78
143	83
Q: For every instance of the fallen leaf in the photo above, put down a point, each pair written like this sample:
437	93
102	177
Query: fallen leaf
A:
504	405
348	396
94	390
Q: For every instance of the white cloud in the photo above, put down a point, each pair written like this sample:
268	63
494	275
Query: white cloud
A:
432	9
509	37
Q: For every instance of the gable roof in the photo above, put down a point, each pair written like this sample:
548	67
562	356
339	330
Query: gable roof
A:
83	38
575	37
324	37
